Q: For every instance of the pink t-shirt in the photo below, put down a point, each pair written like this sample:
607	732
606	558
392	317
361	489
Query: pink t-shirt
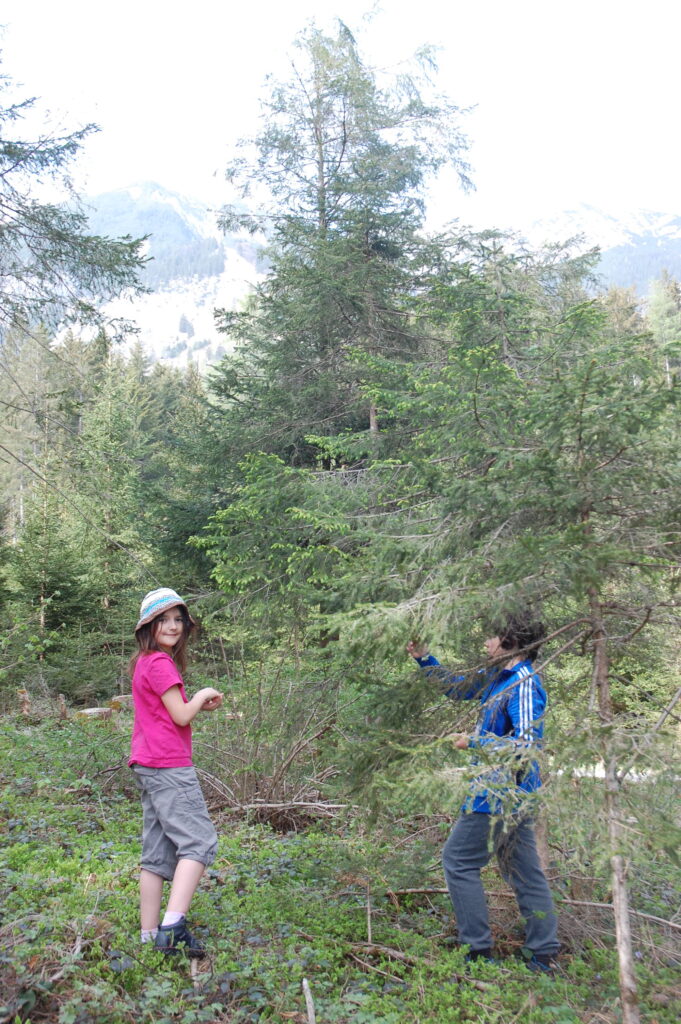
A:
157	742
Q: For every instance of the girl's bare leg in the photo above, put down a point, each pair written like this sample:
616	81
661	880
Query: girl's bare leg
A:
185	881
151	893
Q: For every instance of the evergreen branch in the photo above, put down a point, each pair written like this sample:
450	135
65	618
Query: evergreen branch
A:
648	739
439	891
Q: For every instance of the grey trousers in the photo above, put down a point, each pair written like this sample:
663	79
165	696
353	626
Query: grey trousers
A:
175	822
467	851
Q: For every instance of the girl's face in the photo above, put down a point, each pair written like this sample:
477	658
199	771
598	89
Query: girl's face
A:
168	629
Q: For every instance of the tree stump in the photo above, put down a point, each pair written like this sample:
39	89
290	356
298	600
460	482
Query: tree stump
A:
121	702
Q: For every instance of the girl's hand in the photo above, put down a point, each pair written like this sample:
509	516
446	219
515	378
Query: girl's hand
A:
417	649
181	712
212	699
212	703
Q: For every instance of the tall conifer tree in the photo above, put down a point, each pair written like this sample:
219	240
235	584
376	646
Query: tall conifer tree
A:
341	162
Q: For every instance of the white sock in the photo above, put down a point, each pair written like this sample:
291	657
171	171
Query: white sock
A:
148	934
170	918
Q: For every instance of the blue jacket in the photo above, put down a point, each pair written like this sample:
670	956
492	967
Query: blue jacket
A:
511	723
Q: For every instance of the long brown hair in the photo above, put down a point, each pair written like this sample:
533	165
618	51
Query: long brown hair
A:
147	643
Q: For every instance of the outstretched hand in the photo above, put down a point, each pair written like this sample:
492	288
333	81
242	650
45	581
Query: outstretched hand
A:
417	649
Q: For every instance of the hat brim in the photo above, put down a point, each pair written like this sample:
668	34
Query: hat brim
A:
154	615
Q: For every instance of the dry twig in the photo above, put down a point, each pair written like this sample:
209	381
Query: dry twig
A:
309	1003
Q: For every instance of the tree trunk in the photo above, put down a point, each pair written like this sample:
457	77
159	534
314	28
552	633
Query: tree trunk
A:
620	899
620	902
42	598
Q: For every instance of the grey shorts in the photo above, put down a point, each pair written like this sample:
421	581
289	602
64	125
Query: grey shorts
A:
175	822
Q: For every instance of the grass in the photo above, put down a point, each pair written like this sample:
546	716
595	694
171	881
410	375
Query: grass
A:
273	909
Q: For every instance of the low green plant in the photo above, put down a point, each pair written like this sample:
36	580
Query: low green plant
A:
275	908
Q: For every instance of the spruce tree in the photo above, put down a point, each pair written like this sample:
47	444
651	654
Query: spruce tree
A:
549	460
342	162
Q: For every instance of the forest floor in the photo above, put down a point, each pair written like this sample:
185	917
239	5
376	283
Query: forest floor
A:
276	908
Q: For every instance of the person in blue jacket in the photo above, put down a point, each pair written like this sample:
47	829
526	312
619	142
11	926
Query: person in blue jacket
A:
510	726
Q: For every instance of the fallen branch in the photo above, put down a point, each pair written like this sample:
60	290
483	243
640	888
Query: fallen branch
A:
108	771
417	892
293	805
194	973
559	899
370	967
319	807
608	906
372	949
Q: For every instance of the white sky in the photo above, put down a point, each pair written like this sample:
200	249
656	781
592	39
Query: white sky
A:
577	100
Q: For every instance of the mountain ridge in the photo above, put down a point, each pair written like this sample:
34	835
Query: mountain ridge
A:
636	245
195	268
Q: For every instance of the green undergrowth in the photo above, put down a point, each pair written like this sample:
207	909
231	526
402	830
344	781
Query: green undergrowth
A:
273	909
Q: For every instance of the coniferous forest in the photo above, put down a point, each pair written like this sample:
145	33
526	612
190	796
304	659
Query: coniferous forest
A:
414	435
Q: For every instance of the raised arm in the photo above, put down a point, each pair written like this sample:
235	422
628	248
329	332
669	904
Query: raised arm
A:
454	686
419	653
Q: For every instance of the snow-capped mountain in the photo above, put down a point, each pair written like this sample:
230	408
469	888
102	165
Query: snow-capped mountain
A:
635	247
194	269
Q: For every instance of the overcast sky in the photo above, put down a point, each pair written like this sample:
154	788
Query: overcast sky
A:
576	102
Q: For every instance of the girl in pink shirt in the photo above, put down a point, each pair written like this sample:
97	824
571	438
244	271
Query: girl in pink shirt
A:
178	838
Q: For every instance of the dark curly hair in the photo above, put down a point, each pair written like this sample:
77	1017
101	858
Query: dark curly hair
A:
523	633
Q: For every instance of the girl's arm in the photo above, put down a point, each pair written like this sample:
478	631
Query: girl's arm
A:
206	699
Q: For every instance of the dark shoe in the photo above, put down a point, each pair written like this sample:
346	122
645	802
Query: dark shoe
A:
480	954
176	938
540	963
